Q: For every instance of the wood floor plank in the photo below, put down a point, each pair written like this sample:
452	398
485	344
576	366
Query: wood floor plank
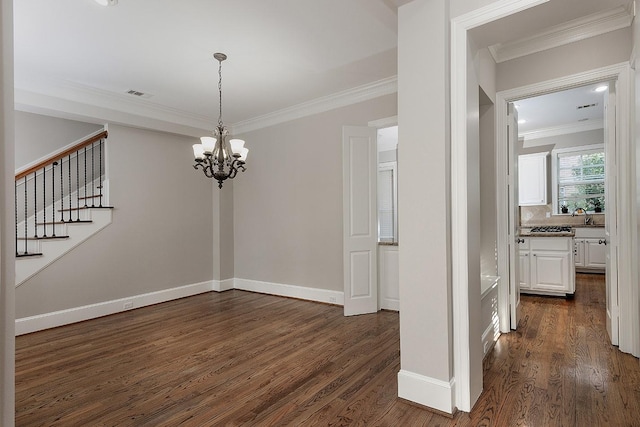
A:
239	358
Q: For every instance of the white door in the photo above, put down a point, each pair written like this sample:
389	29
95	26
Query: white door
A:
514	216
610	227
360	224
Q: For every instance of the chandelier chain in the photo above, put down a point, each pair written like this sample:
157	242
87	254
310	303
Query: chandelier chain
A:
220	91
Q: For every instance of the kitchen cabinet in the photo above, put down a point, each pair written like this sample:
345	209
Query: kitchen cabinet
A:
546	266
532	179
590	251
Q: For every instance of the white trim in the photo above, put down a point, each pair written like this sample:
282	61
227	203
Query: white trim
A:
77	101
54	319
77	234
384	122
223	285
427	391
30	324
568	32
459	232
291	291
320	105
628	275
562	130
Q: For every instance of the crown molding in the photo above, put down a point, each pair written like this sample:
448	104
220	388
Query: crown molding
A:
569	32
562	129
76	101
320	105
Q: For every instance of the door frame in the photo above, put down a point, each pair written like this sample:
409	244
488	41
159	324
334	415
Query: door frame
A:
626	173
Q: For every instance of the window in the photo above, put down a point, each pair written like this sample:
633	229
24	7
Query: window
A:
579	179
387	202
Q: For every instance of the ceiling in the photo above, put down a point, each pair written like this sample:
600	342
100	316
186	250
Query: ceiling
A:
568	111
281	54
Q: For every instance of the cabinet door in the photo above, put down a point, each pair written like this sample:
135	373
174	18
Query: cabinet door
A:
550	271
532	179
595	253
525	273
579	252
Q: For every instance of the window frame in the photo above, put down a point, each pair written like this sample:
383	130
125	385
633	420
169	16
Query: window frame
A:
583	149
393	167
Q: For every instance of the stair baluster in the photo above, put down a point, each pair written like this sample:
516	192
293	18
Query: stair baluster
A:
26	215
53	198
29	178
93	177
44	201
100	153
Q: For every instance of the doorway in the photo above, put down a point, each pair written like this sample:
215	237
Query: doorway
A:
619	76
564	140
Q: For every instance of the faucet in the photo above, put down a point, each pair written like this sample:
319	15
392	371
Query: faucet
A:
588	219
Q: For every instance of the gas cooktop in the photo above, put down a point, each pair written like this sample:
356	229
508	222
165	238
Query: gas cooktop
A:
551	229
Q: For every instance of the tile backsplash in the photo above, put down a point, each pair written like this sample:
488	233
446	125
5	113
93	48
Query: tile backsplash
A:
537	215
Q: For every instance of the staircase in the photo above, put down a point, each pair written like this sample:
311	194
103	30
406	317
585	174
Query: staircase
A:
60	202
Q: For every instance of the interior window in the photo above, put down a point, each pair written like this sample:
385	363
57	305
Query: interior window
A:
579	179
387	202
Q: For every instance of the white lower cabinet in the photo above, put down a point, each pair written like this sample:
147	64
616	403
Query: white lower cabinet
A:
590	250
546	266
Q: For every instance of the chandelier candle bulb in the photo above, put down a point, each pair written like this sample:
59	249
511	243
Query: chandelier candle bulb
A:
236	145
208	143
243	154
198	151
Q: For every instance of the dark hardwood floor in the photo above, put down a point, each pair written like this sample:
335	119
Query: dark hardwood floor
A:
239	358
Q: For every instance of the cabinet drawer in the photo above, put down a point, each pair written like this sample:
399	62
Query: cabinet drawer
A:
551	243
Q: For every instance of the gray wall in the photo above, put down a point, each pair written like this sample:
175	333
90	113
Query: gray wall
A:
288	204
38	136
595	52
160	238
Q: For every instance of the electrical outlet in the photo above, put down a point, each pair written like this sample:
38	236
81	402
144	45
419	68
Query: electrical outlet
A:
332	299
548	214
127	305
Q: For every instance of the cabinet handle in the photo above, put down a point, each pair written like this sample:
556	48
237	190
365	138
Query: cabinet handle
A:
602	242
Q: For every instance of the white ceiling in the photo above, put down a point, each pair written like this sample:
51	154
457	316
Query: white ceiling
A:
281	53
562	112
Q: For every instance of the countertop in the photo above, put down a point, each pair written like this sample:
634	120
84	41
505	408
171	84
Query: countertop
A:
526	232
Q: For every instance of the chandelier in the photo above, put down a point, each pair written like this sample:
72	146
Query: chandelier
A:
218	158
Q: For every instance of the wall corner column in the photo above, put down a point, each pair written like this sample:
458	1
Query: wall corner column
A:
7	242
424	207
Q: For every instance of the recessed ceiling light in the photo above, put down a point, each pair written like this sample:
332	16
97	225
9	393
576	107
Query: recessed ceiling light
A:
107	2
602	88
521	121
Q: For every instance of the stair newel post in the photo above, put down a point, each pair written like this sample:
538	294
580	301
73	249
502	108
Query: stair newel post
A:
93	177
26	214
77	185
35	204
53	198
85	176
101	180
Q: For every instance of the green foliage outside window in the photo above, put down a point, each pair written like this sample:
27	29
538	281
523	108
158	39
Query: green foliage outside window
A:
581	181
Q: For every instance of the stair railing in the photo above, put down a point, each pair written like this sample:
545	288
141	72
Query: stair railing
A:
50	192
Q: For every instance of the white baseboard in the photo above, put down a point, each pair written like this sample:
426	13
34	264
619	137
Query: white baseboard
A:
223	285
54	319
426	391
292	291
27	325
